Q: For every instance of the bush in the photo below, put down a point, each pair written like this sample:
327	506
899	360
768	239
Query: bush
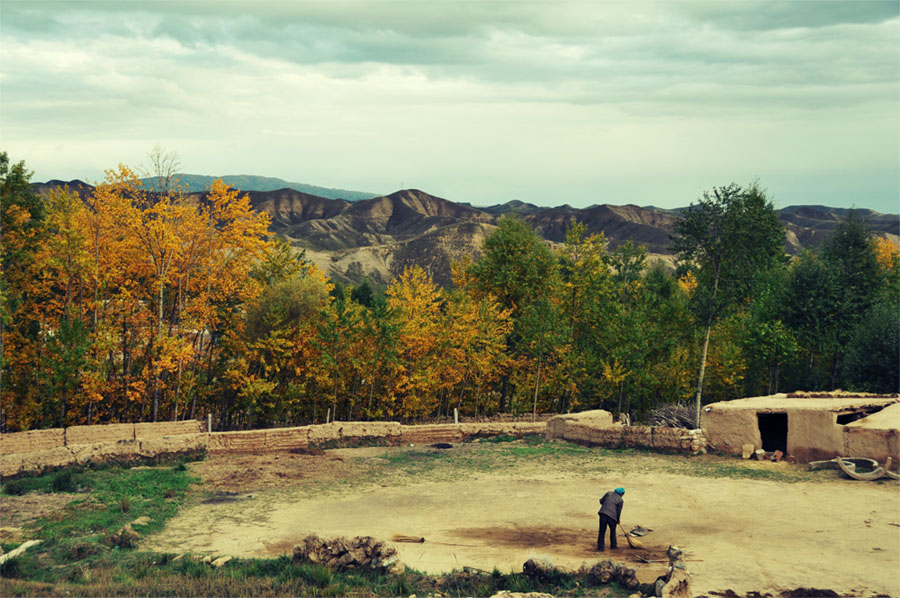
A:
15	488
12	568
64	481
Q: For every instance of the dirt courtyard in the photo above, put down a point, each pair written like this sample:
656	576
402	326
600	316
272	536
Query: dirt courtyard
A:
487	506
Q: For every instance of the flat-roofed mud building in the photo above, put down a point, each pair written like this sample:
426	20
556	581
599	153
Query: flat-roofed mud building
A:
808	426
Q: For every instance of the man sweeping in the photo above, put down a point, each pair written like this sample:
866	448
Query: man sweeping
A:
610	512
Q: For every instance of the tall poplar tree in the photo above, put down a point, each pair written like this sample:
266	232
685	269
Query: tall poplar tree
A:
727	238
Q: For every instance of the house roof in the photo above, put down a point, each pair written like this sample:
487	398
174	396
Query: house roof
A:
886	419
782	402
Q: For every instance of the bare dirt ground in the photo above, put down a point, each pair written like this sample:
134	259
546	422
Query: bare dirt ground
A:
18	511
488	506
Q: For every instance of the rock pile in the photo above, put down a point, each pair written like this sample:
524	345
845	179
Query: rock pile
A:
341	554
606	571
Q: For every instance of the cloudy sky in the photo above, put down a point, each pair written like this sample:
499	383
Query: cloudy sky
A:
547	102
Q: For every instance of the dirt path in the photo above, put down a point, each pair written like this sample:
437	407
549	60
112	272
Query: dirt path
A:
744	535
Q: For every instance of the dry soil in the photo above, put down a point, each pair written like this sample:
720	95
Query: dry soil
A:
766	535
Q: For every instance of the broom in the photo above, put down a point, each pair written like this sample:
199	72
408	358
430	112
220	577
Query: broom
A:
631	541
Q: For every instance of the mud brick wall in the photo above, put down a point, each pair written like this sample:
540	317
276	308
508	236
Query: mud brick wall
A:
596	428
31	441
160	429
878	444
356	432
285	439
43	450
92	434
81	454
250	441
472	430
430	433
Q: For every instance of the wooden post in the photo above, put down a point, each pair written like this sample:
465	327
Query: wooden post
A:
209	422
456	416
328	415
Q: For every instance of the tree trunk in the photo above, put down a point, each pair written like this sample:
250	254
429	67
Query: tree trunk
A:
537	384
777	372
709	322
699	396
621	396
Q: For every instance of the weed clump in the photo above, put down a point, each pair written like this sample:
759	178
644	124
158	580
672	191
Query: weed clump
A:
64	481
12	568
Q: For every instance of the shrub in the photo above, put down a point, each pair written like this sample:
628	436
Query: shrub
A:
12	568
15	488
64	481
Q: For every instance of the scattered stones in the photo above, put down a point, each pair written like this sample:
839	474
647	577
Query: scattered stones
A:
341	554
508	594
220	561
746	451
142	520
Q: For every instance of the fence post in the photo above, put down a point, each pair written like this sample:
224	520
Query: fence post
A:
208	423
456	416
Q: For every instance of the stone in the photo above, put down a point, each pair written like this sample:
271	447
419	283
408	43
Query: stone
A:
760	454
220	561
746	451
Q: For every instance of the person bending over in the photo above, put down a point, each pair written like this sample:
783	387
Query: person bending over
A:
610	512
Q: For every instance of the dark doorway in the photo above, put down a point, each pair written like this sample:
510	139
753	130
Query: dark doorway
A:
773	429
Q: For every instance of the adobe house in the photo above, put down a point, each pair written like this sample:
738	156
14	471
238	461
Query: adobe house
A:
808	426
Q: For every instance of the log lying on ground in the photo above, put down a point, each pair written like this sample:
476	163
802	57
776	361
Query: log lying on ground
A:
17	551
341	554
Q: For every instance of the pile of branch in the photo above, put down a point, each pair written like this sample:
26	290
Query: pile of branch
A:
673	416
341	554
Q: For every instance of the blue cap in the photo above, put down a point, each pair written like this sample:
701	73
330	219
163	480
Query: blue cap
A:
620	490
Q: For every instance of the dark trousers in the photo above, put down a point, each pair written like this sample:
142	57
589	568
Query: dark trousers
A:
607	521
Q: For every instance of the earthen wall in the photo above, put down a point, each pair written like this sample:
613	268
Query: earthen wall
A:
47	449
31	441
596	428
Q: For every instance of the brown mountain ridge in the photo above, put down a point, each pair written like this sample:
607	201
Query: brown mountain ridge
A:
378	238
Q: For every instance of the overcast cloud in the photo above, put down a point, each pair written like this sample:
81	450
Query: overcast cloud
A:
546	102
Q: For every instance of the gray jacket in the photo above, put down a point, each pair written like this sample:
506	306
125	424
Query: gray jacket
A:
611	505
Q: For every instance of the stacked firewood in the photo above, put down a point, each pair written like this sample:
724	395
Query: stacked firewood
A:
673	416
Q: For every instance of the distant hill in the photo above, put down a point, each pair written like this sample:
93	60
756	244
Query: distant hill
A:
378	237
193	183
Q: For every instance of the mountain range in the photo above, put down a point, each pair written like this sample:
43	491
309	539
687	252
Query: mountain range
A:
196	183
377	237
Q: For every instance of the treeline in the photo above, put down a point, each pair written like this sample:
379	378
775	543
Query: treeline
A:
128	305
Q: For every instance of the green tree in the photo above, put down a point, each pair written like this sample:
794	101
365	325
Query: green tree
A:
728	238
849	255
810	297
872	351
518	269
